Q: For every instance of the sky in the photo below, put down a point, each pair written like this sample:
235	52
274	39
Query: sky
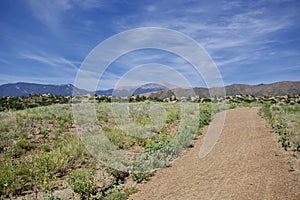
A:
250	42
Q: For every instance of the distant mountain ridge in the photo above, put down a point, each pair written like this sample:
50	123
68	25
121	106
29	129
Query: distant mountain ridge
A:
154	90
274	89
128	91
25	89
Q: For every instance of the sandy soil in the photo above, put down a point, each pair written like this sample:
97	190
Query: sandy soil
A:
246	163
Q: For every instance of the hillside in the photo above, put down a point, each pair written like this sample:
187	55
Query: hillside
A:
273	89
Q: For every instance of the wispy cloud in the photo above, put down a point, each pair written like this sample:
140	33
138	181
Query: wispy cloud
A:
43	79
52	13
50	60
241	28
5	61
49	13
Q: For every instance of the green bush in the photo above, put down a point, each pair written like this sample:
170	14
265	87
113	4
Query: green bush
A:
140	176
81	181
23	144
154	145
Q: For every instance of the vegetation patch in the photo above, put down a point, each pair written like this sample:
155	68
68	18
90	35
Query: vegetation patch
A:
284	119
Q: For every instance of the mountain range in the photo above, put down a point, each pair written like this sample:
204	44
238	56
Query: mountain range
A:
25	89
154	90
274	89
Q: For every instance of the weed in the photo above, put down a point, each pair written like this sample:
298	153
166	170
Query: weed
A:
154	145
81	181
140	176
118	138
45	148
297	146
285	142
23	144
173	115
283	118
115	193
232	106
119	175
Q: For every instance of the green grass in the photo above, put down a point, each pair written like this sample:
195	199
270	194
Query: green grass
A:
120	139
30	171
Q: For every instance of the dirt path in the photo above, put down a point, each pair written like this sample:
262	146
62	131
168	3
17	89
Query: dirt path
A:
242	165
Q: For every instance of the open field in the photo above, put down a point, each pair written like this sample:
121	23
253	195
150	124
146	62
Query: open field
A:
40	147
45	155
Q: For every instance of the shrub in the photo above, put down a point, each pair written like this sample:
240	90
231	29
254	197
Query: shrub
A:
81	181
140	176
23	144
154	145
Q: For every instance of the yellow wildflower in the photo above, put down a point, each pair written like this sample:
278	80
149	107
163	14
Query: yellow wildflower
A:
276	120
149	139
45	181
161	134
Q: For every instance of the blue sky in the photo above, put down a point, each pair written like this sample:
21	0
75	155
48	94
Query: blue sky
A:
251	42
